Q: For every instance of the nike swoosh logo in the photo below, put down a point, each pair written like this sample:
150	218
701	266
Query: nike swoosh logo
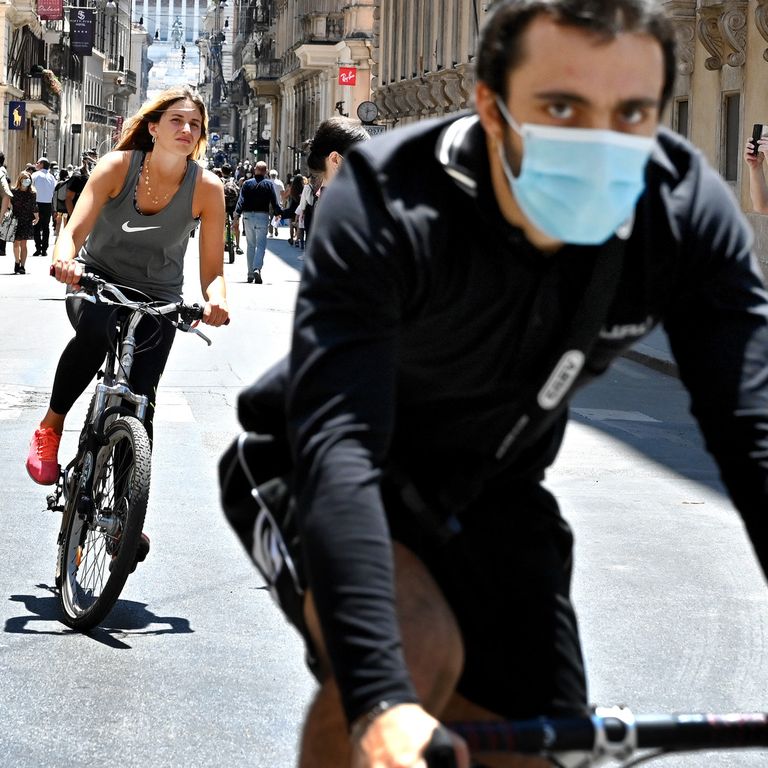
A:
128	228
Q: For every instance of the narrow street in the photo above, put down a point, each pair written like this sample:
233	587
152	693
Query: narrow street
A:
196	667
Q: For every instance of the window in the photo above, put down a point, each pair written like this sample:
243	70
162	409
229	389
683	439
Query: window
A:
730	150
681	117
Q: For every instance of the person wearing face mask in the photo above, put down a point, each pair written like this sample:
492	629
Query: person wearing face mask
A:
23	205
427	387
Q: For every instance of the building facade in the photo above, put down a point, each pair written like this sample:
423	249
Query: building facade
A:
295	63
71	101
720	89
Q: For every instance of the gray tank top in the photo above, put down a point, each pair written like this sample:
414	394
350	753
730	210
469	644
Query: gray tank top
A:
144	252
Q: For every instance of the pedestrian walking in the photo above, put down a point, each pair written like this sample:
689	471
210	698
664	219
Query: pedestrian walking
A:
44	183
77	183
60	201
274	222
23	207
257	202
5	192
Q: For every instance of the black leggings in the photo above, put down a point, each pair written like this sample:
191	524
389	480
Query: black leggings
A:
94	335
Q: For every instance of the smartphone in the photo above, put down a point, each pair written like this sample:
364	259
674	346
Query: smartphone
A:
759	131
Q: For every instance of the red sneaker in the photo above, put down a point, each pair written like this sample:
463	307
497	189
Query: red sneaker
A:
43	458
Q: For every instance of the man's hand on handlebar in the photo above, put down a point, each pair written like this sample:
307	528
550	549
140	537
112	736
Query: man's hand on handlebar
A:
67	271
398	737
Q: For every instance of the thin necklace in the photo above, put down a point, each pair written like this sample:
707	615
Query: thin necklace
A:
152	197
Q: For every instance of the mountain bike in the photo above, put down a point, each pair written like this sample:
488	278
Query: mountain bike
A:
609	734
103	492
229	239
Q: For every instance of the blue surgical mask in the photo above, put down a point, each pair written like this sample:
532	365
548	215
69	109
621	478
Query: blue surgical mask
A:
577	185
26	183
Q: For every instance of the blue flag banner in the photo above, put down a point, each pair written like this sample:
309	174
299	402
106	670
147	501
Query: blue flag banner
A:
17	115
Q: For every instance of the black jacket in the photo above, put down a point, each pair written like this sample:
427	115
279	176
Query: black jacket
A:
421	317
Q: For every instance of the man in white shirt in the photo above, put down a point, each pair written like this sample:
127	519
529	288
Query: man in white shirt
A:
45	183
280	191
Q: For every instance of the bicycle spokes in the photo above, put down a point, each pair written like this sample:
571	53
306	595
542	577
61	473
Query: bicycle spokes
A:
103	532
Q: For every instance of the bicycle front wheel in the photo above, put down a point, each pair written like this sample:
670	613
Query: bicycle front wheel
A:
102	537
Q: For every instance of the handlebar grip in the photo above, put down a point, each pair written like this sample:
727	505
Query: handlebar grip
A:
88	281
439	753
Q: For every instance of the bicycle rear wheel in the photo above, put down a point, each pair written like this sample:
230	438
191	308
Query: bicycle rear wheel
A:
100	543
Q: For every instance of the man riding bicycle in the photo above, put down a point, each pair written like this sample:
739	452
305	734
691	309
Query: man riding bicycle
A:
431	367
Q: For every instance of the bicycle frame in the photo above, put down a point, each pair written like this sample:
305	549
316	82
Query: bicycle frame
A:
114	391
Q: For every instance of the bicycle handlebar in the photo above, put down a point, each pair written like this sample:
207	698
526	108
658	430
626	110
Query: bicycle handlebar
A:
613	732
188	313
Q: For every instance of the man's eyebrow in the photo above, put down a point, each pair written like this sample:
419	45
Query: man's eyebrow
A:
574	98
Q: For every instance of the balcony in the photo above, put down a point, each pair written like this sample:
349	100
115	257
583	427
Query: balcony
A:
118	80
40	96
100	116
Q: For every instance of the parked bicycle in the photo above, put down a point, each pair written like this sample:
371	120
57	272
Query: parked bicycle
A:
609	734
103	492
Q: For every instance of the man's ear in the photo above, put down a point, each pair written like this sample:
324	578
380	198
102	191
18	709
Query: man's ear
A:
488	111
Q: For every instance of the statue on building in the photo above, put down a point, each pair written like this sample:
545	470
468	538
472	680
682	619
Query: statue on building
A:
177	29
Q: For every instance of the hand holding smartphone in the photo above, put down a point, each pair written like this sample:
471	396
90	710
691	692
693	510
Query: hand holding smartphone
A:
759	131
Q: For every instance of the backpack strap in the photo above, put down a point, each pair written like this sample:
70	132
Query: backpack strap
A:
546	396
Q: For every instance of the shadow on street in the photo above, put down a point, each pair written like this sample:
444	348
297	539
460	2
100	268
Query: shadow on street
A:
126	618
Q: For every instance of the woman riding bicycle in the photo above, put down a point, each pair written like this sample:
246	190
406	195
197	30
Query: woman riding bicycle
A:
131	226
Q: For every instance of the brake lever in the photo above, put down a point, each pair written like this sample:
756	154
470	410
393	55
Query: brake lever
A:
190	329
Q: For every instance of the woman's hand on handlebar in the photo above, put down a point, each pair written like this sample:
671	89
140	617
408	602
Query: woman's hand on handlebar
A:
398	737
67	271
216	312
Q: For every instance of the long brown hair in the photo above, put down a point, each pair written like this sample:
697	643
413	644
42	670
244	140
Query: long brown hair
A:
136	133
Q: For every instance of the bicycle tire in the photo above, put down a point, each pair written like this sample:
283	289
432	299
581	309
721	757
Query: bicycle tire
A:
96	560
71	495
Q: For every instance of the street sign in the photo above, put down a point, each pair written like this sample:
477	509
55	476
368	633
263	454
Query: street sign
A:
215	137
375	130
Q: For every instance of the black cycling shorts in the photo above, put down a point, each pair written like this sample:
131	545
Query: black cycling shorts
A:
506	576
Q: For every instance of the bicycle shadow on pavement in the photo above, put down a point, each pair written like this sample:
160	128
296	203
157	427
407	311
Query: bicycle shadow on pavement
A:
126	619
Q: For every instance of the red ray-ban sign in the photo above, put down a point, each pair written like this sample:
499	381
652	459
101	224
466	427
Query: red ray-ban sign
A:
347	75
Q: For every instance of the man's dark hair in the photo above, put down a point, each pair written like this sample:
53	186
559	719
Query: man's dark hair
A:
337	134
46	165
500	51
226	170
